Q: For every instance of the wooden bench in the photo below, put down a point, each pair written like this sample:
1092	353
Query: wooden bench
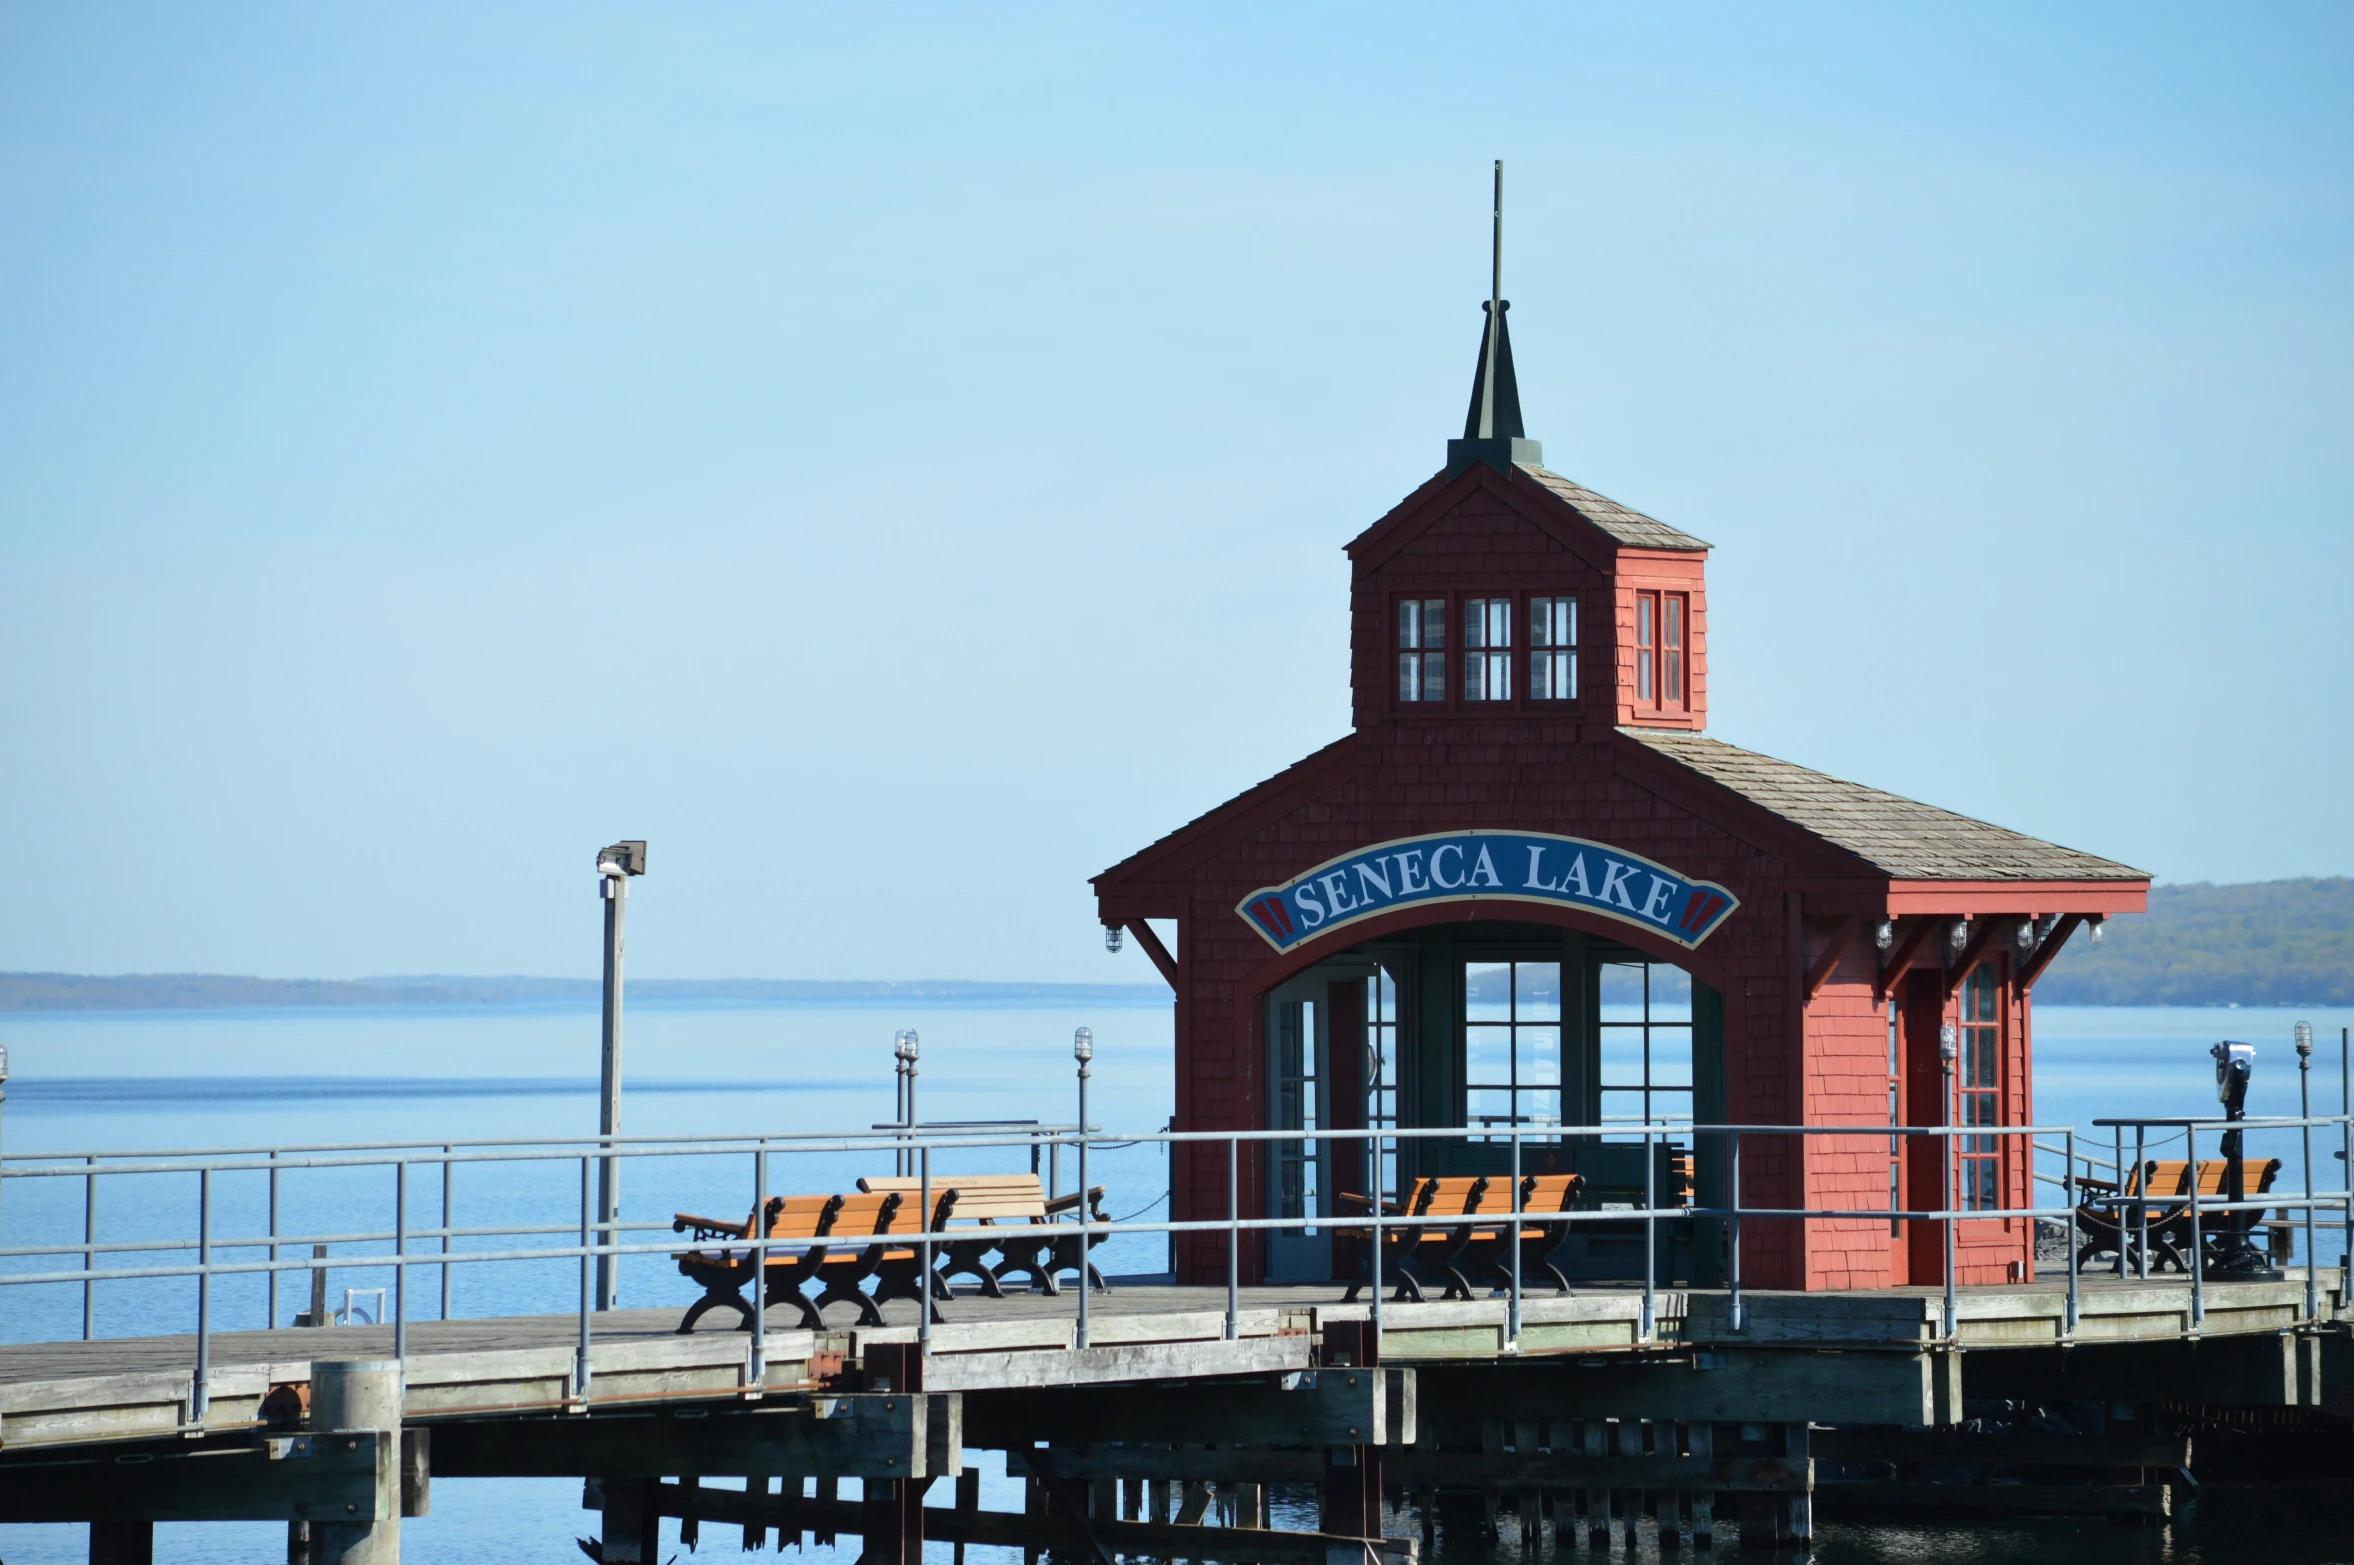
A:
839	1240
2167	1182
1007	1201
1451	1251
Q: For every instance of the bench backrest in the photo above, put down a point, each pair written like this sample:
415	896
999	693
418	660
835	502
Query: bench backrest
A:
2171	1177
800	1216
1452	1195
1547	1193
1003	1198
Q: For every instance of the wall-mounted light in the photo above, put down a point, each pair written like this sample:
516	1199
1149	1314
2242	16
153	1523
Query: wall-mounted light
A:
1959	935
2027	935
2097	920
1113	938
1884	933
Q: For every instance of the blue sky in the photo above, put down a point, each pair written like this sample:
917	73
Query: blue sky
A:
897	460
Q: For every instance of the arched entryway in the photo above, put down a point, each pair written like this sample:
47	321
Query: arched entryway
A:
1563	1032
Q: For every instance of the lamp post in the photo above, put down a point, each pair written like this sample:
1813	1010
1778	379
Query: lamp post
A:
1083	1050
615	866
904	1049
2304	1036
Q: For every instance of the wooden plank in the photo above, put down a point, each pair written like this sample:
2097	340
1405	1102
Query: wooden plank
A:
1340	1407
1767	1385
2032	1449
866	1437
1108	1365
330	1476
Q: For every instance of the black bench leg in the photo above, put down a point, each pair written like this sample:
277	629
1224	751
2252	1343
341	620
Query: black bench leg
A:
732	1299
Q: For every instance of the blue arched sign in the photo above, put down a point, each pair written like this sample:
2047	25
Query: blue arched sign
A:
1483	866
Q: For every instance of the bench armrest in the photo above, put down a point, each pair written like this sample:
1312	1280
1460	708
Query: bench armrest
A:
1070	1203
709	1227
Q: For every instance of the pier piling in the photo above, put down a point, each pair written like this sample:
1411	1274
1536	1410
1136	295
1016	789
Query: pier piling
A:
361	1394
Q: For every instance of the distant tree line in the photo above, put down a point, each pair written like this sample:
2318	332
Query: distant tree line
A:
2272	942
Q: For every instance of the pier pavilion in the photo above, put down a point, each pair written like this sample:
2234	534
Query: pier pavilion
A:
1528	889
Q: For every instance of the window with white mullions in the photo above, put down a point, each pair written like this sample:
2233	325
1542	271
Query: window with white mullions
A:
1552	649
1422	659
1297	1098
1646	1044
1511	1046
1487	649
1978	1085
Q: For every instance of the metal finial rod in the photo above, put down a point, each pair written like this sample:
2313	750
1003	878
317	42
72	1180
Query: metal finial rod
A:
1487	390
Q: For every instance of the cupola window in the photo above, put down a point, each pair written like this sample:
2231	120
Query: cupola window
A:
1659	648
1552	642
1422	659
1487	648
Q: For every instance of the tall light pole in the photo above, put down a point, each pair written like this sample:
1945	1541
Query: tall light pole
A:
615	866
905	1048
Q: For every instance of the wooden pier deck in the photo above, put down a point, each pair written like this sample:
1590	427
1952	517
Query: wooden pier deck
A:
127	1388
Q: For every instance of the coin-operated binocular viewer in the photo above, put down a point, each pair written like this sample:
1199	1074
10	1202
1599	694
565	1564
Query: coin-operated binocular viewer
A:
2233	1255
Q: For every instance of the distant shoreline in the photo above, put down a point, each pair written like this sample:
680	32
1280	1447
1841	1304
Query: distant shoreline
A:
215	992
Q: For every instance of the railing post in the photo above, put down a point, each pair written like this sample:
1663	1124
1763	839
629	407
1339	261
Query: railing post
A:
1373	1266
1233	1238
1945	1217
2124	1214
270	1308
2346	1125
90	1242
2198	1255
923	1319
2141	1207
200	1388
756	1371
588	1276
447	1169
1651	1226
1733	1245
2069	1191
400	1260
1512	1247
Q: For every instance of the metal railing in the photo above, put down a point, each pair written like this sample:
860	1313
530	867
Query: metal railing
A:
590	1239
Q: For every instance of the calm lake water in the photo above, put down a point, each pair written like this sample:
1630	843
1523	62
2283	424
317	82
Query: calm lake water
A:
260	1078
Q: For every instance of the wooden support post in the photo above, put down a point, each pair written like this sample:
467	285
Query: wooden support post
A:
1597	1443
632	1529
968	1501
1630	1443
1160	1490
1195	1505
1798	1508
122	1543
756	1487
1351	1497
1525	1502
1702	1438
362	1394
690	1526
894	1511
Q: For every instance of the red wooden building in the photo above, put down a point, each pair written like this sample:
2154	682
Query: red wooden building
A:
1529	672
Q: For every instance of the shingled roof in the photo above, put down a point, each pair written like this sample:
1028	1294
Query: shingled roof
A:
1903	839
1631	528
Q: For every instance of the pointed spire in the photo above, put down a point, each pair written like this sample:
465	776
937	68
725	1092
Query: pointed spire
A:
1492	431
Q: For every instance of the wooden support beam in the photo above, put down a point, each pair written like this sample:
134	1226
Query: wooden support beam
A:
330	1476
1152	947
1900	959
2032	1449
1982	933
1760	1385
1445	1469
2032	968
1843	938
865	1437
1341	1407
1166	1540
